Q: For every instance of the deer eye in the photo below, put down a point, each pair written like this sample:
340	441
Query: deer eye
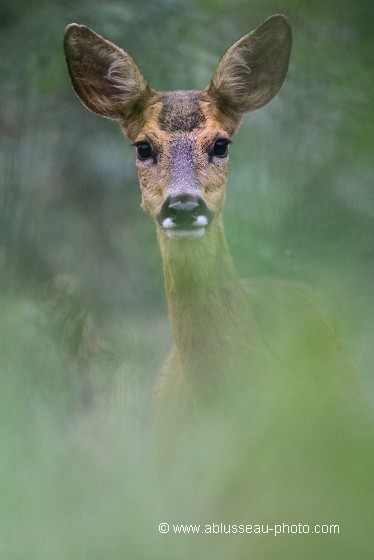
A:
144	150
220	148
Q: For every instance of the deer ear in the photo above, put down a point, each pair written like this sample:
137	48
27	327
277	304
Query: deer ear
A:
252	70
104	77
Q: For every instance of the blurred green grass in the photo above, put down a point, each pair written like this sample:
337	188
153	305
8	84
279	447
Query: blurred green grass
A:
79	477
79	358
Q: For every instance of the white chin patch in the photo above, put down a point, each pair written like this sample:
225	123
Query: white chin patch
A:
178	233
197	230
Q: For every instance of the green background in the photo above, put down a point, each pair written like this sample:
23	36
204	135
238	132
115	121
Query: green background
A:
83	318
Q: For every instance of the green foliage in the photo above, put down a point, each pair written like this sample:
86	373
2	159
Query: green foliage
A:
83	319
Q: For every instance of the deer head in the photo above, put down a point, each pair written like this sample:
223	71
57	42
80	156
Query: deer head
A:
181	137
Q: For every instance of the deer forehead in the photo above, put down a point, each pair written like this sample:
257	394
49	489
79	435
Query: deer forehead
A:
181	124
181	111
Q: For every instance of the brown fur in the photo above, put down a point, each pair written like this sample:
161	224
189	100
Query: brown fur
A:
252	70
222	337
181	112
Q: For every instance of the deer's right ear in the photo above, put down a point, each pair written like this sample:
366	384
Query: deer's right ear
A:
105	78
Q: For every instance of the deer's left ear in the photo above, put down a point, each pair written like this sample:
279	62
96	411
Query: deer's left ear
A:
252	70
105	78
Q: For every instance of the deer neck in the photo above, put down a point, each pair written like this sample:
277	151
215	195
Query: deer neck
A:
208	307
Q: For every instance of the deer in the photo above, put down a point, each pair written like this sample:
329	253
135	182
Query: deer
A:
230	339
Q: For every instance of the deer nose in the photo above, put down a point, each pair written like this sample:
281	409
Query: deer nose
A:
184	212
183	204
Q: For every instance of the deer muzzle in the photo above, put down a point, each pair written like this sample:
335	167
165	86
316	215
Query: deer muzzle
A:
184	216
